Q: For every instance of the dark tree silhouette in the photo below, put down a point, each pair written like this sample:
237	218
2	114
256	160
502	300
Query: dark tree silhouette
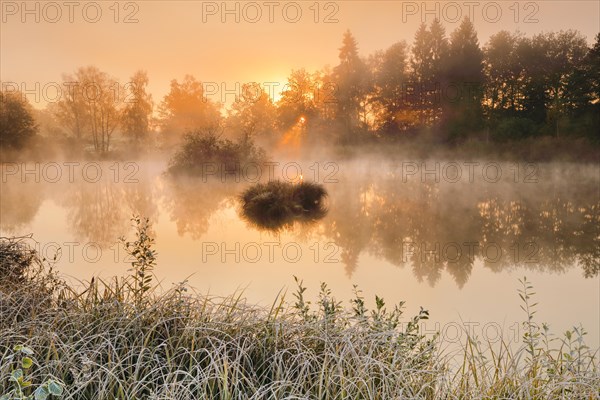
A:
463	92
391	79
350	76
17	125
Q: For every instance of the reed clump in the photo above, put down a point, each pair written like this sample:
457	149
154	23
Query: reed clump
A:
277	205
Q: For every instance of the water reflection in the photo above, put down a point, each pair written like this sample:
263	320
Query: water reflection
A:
430	227
349	222
191	202
96	212
97	209
19	204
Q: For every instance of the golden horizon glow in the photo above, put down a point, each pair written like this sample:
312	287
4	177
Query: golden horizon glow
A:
196	42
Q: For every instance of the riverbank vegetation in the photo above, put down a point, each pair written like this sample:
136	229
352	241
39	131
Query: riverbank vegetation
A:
126	338
208	155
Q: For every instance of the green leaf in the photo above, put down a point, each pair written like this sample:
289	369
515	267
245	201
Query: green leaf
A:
27	350
26	363
41	393
17	374
55	388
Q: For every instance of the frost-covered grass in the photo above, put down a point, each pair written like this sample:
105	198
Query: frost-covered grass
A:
125	339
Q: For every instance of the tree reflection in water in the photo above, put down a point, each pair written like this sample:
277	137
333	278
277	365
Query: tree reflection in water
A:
431	227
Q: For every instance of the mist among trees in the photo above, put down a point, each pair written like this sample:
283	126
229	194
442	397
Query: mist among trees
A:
445	88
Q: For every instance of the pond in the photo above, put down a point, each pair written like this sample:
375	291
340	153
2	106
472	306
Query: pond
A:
452	236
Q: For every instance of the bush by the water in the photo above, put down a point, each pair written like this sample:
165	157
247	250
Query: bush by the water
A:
209	155
276	204
17	260
513	128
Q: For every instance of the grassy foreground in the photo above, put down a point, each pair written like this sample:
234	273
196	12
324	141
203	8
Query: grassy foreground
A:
123	339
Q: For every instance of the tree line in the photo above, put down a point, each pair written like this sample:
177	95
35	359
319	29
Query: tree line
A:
446	86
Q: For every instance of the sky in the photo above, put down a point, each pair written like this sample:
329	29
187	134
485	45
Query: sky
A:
235	42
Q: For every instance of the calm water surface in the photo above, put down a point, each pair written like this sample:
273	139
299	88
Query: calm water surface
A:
451	236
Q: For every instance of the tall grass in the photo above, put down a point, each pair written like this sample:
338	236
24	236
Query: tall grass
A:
543	366
125	339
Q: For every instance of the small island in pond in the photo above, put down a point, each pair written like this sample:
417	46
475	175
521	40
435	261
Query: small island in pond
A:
276	204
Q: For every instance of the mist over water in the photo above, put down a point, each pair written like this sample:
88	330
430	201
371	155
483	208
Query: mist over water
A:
448	234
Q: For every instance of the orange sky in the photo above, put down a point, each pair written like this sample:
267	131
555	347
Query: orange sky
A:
174	38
